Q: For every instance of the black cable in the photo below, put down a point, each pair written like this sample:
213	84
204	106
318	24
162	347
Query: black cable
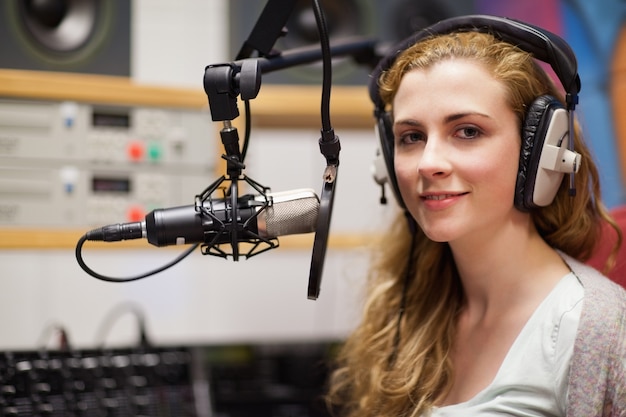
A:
326	65
83	265
248	127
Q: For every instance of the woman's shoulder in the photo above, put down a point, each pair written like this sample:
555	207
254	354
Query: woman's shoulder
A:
597	376
598	287
603	315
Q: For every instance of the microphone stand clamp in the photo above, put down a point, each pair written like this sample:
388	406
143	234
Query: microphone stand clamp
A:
223	83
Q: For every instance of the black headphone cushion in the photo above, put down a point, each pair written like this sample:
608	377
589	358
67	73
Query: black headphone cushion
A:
534	129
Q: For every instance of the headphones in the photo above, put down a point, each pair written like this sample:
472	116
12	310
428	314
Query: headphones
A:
547	150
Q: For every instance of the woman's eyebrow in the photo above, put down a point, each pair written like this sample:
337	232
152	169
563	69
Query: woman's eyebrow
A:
449	118
457	116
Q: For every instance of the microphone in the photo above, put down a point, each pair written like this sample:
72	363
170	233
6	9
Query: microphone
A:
213	223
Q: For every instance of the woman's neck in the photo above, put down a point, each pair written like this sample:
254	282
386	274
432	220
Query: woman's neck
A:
515	266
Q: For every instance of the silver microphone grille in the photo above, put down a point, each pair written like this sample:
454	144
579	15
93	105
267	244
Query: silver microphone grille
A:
292	212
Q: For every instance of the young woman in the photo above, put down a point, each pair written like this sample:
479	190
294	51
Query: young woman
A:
495	313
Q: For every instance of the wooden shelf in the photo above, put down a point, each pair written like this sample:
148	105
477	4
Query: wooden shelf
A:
97	89
275	106
24	238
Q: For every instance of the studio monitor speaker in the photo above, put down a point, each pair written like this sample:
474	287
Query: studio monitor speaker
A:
83	36
386	20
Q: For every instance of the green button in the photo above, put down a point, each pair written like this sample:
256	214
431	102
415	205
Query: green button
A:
155	152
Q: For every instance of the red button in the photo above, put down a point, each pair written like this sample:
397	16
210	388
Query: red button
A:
135	214
135	150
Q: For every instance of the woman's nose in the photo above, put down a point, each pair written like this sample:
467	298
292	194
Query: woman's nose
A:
434	160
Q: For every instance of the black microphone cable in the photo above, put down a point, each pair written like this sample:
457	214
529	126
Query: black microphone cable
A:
326	66
87	269
247	129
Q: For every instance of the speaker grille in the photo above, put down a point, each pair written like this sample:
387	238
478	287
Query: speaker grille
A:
85	36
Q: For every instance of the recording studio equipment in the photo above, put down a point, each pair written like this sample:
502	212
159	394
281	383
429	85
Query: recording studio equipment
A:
235	222
223	84
547	150
96	382
269	380
258	218
234	380
77	36
90	164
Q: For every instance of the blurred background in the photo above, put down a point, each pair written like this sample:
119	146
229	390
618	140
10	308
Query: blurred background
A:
103	118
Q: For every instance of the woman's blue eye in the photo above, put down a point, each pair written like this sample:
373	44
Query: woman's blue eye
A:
469	132
411	137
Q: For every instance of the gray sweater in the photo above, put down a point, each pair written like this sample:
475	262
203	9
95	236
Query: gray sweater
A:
597	381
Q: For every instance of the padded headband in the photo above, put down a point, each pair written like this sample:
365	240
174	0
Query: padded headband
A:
543	45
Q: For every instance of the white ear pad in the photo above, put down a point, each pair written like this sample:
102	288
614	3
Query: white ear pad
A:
556	159
383	168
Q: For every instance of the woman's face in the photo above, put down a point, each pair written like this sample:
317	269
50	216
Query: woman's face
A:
457	146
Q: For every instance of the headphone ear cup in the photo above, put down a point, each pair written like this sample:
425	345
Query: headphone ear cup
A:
538	122
385	136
